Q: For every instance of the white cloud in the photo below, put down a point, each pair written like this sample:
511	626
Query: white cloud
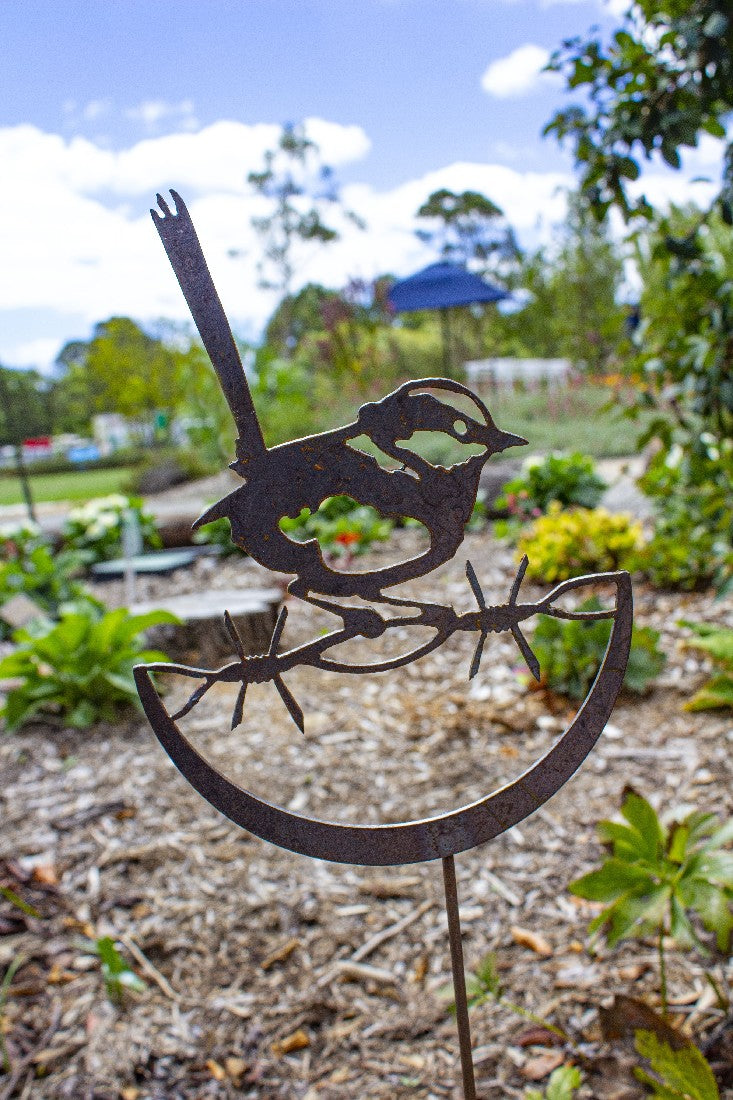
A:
79	255
96	108
154	112
519	73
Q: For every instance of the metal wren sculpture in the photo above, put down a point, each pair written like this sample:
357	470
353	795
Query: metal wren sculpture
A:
279	482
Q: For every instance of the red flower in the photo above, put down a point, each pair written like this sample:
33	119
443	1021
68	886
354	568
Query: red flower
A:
348	538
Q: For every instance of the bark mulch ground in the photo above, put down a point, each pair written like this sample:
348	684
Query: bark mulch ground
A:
270	975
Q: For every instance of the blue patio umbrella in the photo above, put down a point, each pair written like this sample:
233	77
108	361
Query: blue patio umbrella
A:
442	286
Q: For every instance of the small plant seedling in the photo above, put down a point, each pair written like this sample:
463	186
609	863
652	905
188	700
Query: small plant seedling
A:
562	1085
118	977
659	879
484	985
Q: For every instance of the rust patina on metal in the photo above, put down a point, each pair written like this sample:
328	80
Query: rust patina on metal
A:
281	481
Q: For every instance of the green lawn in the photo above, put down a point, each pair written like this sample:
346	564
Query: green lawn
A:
566	419
79	485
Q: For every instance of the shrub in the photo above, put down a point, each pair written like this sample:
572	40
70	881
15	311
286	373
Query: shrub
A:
341	526
692	540
165	468
571	651
565	544
569	479
717	641
49	579
79	669
96	527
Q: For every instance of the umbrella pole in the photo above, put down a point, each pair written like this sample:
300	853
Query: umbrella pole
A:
446	336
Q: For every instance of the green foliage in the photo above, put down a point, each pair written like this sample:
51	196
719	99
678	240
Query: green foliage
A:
680	1074
561	1086
96	527
659	878
341	526
663	79
116	971
49	579
122	368
25	406
286	397
301	191
572	289
691	544
717	641
564	544
571	651
78	670
467	228
568	479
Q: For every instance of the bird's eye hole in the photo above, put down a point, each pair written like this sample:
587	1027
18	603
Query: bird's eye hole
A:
460	427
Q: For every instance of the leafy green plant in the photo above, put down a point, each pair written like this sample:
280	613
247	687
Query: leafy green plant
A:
717	641
562	1085
568	479
96	528
563	544
691	544
78	670
341	526
661	878
570	653
49	579
116	971
679	1074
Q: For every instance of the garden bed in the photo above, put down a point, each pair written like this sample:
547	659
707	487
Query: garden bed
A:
269	975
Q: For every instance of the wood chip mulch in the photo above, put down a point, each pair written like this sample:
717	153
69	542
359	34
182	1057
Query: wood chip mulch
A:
269	975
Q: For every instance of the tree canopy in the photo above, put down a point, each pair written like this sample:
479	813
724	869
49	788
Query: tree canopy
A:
122	368
663	79
467	228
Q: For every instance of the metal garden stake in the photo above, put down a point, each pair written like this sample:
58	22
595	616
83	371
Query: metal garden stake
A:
280	481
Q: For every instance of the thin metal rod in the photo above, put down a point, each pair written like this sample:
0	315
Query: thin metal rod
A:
459	977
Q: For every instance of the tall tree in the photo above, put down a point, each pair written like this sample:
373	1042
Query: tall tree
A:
24	413
305	206
468	228
121	369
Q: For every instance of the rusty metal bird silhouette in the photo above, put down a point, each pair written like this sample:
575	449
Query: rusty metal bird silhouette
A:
280	481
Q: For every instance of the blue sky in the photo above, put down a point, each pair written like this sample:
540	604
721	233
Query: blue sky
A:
106	102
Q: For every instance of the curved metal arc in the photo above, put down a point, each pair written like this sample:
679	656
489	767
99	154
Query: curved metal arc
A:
411	841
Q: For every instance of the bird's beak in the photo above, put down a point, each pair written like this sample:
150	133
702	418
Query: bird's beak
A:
501	441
